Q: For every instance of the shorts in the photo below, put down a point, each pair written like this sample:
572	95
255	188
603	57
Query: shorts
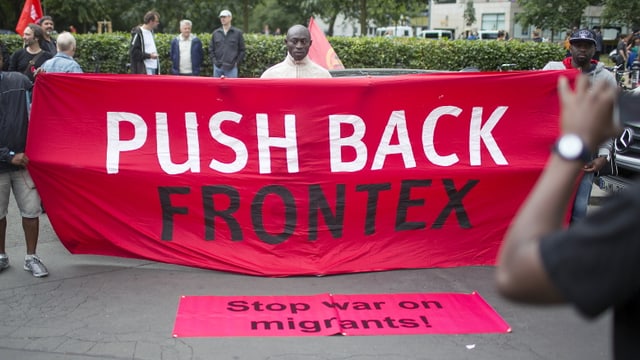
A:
24	191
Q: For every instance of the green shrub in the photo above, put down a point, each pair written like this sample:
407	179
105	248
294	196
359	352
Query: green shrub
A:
108	53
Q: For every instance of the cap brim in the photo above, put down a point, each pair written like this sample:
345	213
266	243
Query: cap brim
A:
582	40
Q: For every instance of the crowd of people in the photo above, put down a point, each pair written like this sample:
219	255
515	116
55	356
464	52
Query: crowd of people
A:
626	52
186	54
226	51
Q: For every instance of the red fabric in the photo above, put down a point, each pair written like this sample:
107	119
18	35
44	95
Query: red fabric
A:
568	63
327	314
31	13
321	52
379	173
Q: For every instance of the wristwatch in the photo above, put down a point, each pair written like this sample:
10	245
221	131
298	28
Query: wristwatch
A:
571	147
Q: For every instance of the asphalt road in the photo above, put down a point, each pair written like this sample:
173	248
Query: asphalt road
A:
94	307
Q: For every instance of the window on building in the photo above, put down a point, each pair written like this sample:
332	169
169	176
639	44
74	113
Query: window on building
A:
520	31
444	1
591	21
492	22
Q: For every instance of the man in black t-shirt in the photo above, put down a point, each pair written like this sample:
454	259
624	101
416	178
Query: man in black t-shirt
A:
595	263
29	59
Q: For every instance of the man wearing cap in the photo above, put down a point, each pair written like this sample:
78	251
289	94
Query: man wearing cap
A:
582	46
226	48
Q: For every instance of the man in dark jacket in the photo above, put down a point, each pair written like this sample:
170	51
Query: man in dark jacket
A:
226	48
14	176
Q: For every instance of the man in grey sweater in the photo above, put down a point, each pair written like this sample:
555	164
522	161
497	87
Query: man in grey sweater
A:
582	48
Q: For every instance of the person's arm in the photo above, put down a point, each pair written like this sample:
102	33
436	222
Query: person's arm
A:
197	56
241	50
604	155
13	62
137	53
212	48
6	154
520	274
174	56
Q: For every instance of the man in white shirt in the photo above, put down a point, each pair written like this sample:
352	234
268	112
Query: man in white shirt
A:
186	51
143	51
297	64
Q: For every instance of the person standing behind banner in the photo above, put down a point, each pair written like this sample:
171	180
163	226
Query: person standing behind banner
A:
48	43
28	59
142	50
226	48
186	51
14	176
537	36
582	46
599	42
63	61
297	63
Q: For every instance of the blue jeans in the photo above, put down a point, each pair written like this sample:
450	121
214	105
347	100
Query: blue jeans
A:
583	195
218	72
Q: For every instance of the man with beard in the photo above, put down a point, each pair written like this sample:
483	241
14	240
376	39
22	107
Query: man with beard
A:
297	64
582	46
48	43
28	59
142	50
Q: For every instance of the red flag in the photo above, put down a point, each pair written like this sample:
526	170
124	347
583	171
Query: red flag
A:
31	12
321	51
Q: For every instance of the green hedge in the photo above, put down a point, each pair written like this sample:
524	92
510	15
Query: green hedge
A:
108	53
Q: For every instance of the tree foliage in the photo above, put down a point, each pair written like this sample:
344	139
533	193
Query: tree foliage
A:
469	14
365	12
555	16
252	15
623	12
9	13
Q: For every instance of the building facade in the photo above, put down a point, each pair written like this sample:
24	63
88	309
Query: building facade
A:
498	15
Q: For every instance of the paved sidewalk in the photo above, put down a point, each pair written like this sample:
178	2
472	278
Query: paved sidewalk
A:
94	307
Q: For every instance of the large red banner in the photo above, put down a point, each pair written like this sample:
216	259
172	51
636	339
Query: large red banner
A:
285	177
336	314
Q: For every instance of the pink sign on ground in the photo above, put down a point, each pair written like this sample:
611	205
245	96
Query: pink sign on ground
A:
332	314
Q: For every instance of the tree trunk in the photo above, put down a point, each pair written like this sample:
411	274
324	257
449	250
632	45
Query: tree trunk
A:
332	22
245	16
363	18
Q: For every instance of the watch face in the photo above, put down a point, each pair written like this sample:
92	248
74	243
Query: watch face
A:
570	146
